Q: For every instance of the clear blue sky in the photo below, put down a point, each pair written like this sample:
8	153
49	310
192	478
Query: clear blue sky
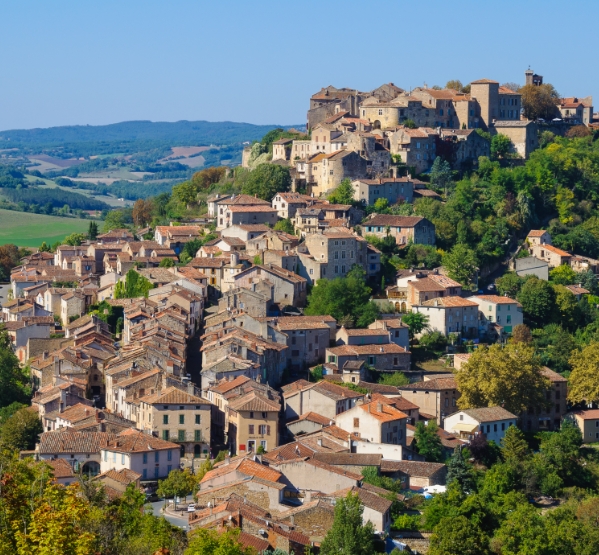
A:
84	62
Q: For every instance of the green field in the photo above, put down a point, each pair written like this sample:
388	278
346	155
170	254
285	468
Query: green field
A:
30	230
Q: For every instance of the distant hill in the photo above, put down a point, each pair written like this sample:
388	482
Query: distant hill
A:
184	133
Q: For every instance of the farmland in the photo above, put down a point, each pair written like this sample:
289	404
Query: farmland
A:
30	230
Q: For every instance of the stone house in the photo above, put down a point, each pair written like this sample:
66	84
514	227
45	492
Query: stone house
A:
496	310
415	474
395	190
222	205
72	306
384	358
576	110
312	518
588	423
281	149
416	147
306	340
436	398
286	204
29	327
450	315
537	237
287	260
523	134
249	214
462	147
253	421
371	147
375	422
326	399
272	240
552	255
377	509
398	331
135	387
405	229
289	287
245	232
177	416
257	300
325	172
212	268
149	456
493	422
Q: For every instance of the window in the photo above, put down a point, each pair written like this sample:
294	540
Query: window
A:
169	468
380	111
105	456
461	417
169	455
197	436
165	435
113	457
371	360
181	419
251	415
251	429
503	426
165	418
145	457
262	429
156	456
156	471
145	473
198	419
356	422
122	458
494	427
263	444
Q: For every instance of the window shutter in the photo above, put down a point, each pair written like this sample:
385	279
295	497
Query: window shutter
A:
268	430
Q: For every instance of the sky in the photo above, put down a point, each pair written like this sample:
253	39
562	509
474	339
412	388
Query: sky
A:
83	62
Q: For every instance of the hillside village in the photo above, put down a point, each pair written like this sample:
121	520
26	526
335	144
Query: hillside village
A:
144	360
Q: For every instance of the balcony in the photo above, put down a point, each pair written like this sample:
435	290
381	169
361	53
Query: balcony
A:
184	437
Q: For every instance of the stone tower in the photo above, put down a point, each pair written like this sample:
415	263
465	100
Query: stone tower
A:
532	78
486	93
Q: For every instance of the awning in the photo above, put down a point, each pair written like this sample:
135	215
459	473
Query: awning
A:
465	427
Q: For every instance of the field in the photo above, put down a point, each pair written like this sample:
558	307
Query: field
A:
30	230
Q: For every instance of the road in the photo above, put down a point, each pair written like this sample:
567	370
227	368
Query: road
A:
180	522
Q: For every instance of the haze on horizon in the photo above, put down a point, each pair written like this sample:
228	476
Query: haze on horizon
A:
73	63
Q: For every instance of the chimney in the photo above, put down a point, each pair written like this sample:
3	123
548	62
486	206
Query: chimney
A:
379	407
44	355
319	442
56	367
307	497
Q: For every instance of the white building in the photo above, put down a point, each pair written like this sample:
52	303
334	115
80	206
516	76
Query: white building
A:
503	311
493	422
149	456
450	315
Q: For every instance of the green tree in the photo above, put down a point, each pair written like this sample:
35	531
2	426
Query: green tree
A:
74	239
513	446
178	483
117	219
538	301
267	180
461	265
134	285
501	146
166	263
441	174
459	470
92	230
509	284
186	193
213	542
416	322
458	536
343	194
285	225
21	430
509	377
428	443
348	535
13	380
381	205
563	275
584	386
342	297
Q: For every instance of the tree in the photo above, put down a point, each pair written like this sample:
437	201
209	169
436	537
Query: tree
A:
563	275
186	193
522	533
13	380
178	483
433	340
92	230
416	322
538	301
501	146
21	430
267	180
540	101
343	194
428	443
584	386
342	297
348	535
441	174
166	263
459	470
578	131
461	265
513	446
521	334
117	219
213	542
143	211
75	239
509	377
395	378
205	178
9	258
134	285
458	536
284	225
509	284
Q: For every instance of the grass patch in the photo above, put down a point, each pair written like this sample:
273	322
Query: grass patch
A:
25	229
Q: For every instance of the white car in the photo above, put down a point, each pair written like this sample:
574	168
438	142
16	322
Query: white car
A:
191	508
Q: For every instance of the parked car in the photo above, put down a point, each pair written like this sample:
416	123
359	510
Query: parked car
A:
191	508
